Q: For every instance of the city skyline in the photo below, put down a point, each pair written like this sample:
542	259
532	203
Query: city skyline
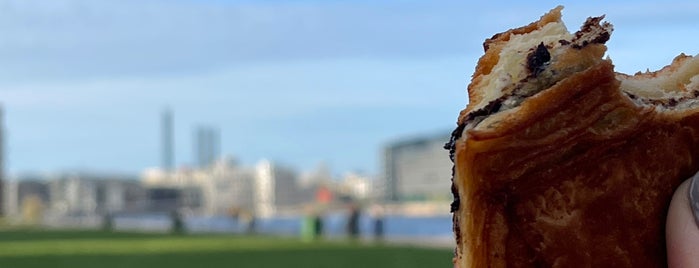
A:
83	82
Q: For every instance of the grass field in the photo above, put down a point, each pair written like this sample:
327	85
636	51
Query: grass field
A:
36	248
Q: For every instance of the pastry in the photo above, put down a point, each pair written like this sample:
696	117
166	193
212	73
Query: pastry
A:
559	161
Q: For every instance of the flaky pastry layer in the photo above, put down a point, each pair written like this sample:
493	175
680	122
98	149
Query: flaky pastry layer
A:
560	161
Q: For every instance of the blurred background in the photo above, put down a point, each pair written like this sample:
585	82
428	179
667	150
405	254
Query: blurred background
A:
178	132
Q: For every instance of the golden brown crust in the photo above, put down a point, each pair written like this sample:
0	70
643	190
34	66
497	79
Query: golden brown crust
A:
676	63
493	46
584	181
577	175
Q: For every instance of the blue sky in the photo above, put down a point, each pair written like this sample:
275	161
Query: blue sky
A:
83	82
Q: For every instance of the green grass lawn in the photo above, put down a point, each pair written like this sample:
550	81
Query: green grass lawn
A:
35	248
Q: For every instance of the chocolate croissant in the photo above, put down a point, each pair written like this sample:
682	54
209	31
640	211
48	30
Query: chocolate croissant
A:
561	162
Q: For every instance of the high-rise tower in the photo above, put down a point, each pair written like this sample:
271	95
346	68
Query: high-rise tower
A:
2	161
206	145
166	128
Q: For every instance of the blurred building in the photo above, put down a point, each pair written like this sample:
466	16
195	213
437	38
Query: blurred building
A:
9	198
156	177
2	160
320	175
73	195
120	195
356	186
276	188
163	199
167	139
231	189
221	188
417	169
225	187
18	194
80	194
173	191
207	144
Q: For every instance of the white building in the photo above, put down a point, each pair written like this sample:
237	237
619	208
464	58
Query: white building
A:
93	194
356	185
64	195
73	195
275	187
218	189
228	188
264	189
10	196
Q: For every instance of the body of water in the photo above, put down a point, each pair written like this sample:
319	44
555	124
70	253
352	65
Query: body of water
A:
334	225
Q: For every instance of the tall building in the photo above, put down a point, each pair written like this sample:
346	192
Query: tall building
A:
275	187
2	159
417	169
207	144
167	140
10	200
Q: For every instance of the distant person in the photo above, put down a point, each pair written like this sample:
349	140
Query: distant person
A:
251	224
378	223
108	222
378	229
318	226
307	228
177	223
353	222
246	222
235	213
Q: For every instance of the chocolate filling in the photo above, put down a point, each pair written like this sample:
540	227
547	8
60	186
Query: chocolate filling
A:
457	200
451	146
592	26
670	103
537	60
491	108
